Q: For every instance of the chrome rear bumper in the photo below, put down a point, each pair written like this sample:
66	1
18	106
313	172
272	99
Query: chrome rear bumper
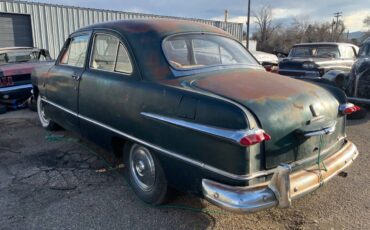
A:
283	186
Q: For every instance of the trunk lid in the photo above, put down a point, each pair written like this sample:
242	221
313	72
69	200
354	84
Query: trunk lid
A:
283	106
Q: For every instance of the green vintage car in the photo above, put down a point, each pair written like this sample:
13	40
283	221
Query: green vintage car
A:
190	108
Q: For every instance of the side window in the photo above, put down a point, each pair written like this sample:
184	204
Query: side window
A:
347	52
123	63
76	52
105	52
110	55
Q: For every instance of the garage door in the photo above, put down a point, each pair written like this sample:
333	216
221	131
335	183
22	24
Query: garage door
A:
15	30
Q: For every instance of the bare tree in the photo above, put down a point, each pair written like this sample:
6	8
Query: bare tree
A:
266	26
367	21
300	25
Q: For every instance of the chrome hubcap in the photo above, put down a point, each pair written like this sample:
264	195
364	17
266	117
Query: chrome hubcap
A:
142	167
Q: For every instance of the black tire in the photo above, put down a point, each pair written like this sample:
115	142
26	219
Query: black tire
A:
358	114
46	123
32	104
157	189
2	109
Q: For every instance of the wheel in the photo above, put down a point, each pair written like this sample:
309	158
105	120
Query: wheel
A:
44	120
2	109
31	103
145	174
358	114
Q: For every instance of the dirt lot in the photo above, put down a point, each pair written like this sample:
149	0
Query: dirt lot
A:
50	181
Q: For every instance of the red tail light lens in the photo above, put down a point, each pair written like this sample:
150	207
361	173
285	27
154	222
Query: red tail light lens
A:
348	108
254	137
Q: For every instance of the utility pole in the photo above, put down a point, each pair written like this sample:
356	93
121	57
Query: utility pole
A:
248	20
226	15
337	15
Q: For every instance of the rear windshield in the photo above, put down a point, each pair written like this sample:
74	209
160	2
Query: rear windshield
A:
18	56
191	51
315	51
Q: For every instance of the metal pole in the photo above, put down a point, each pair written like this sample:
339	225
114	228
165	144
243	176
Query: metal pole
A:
248	19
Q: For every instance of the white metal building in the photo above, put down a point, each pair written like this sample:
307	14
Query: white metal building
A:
47	26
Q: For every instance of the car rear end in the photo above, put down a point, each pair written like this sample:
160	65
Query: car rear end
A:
307	144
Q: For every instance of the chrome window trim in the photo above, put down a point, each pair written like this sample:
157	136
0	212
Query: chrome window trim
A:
10	88
244	177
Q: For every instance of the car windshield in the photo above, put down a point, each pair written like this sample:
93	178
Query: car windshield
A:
315	51
191	51
18	56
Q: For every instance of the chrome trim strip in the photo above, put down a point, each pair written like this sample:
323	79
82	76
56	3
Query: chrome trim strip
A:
358	100
228	134
324	131
298	71
10	88
186	159
59	107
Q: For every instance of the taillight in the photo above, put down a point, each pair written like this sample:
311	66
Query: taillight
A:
6	81
348	108
254	137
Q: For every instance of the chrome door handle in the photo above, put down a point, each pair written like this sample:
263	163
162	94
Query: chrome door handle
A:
76	76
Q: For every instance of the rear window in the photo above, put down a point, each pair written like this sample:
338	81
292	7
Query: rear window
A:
315	51
190	51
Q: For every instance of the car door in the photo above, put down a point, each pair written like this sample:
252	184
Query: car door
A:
63	82
107	89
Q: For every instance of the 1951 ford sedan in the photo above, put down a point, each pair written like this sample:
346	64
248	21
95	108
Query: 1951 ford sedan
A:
191	109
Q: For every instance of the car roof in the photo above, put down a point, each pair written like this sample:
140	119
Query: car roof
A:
325	44
160	27
145	37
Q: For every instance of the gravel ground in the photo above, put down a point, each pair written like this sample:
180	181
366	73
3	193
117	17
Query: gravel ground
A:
55	181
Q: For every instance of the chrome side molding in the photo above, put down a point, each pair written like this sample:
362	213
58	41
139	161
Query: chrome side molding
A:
227	134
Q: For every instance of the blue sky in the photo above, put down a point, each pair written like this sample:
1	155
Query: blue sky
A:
354	11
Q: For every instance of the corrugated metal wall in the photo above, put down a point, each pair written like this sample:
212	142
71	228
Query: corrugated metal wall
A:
51	24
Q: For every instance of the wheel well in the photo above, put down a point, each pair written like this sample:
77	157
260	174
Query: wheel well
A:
118	144
35	91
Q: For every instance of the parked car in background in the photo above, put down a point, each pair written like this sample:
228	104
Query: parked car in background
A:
267	60
16	65
355	83
190	108
313	60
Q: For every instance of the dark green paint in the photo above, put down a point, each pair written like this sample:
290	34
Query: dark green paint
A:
117	100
